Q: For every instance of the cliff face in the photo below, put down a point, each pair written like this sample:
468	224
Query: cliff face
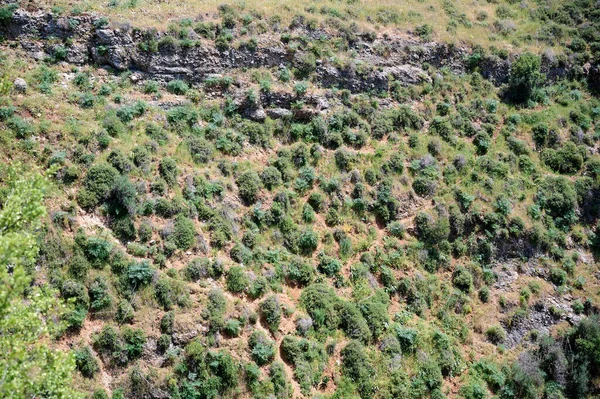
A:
390	58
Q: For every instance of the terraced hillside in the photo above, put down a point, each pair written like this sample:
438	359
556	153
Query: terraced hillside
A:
299	199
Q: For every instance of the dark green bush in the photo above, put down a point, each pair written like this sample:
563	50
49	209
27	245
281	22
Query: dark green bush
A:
495	334
248	185
139	274
168	170
97	185
300	272
100	297
525	78
86	362
357	367
270	311
320	301
353	323
271	177
125	312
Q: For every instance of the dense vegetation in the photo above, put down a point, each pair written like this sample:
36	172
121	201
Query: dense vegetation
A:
431	240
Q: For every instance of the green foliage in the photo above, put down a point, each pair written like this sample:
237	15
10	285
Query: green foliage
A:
168	170
356	366
237	280
525	77
462	279
308	359
177	87
139	274
320	301
97	185
6	12
86	363
558	199
353	323
248	185
262	349
184	233
28	314
270	310
567	160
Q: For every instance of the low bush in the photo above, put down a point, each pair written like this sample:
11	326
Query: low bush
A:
248	185
262	349
270	311
86	362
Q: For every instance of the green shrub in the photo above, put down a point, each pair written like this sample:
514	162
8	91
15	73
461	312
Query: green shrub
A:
184	233
278	379
558	276
6	12
484	294
123	228
357	367
396	229
177	87
163	292
271	177
168	170
308	242
248	185
567	160
525	77
495	334
262	349
305	65
125	312
270	311
157	133
139	274
300	272
99	394
353	323
167	322
86	362
232	328
97	185
376	314
79	267
99	296
134	339
558	198
237	280
201	150
462	279
328	265
76	292
163	343
151	87
320	301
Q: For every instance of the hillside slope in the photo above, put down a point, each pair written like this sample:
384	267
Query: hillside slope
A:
250	207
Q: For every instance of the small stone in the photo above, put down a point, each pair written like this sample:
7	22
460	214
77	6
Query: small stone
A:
20	85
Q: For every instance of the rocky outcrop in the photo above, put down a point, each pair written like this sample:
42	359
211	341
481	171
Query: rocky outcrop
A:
372	66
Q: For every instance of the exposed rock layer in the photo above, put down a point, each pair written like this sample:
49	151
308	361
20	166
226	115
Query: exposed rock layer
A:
391	58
